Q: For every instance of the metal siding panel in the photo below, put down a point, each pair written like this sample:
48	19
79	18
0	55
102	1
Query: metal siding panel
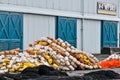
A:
12	2
50	4
69	5
63	5
31	29
34	28
39	3
57	4
76	5
118	8
38	27
79	9
36	3
72	5
79	34
88	4
25	31
4	1
20	2
29	3
91	36
43	3
52	26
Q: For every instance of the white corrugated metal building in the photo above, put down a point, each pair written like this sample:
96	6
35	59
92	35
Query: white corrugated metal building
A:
76	21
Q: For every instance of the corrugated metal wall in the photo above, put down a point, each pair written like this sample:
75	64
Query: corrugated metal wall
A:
91	33
88	6
65	5
36	26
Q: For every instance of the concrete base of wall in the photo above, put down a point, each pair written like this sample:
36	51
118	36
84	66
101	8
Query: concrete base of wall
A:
110	50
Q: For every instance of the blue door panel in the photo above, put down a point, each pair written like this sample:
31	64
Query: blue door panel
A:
4	18
10	31
66	30
109	34
14	23
62	29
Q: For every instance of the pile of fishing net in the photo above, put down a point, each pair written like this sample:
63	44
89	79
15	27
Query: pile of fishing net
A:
113	61
49	73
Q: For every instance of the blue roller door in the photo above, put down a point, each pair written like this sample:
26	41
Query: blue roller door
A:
11	31
109	34
67	30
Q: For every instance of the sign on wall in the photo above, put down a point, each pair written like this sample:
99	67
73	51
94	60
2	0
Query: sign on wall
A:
106	8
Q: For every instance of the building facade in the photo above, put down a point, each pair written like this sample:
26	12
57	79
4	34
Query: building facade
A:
88	25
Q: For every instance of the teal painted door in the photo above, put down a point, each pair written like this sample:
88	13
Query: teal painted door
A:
11	31
109	34
67	30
